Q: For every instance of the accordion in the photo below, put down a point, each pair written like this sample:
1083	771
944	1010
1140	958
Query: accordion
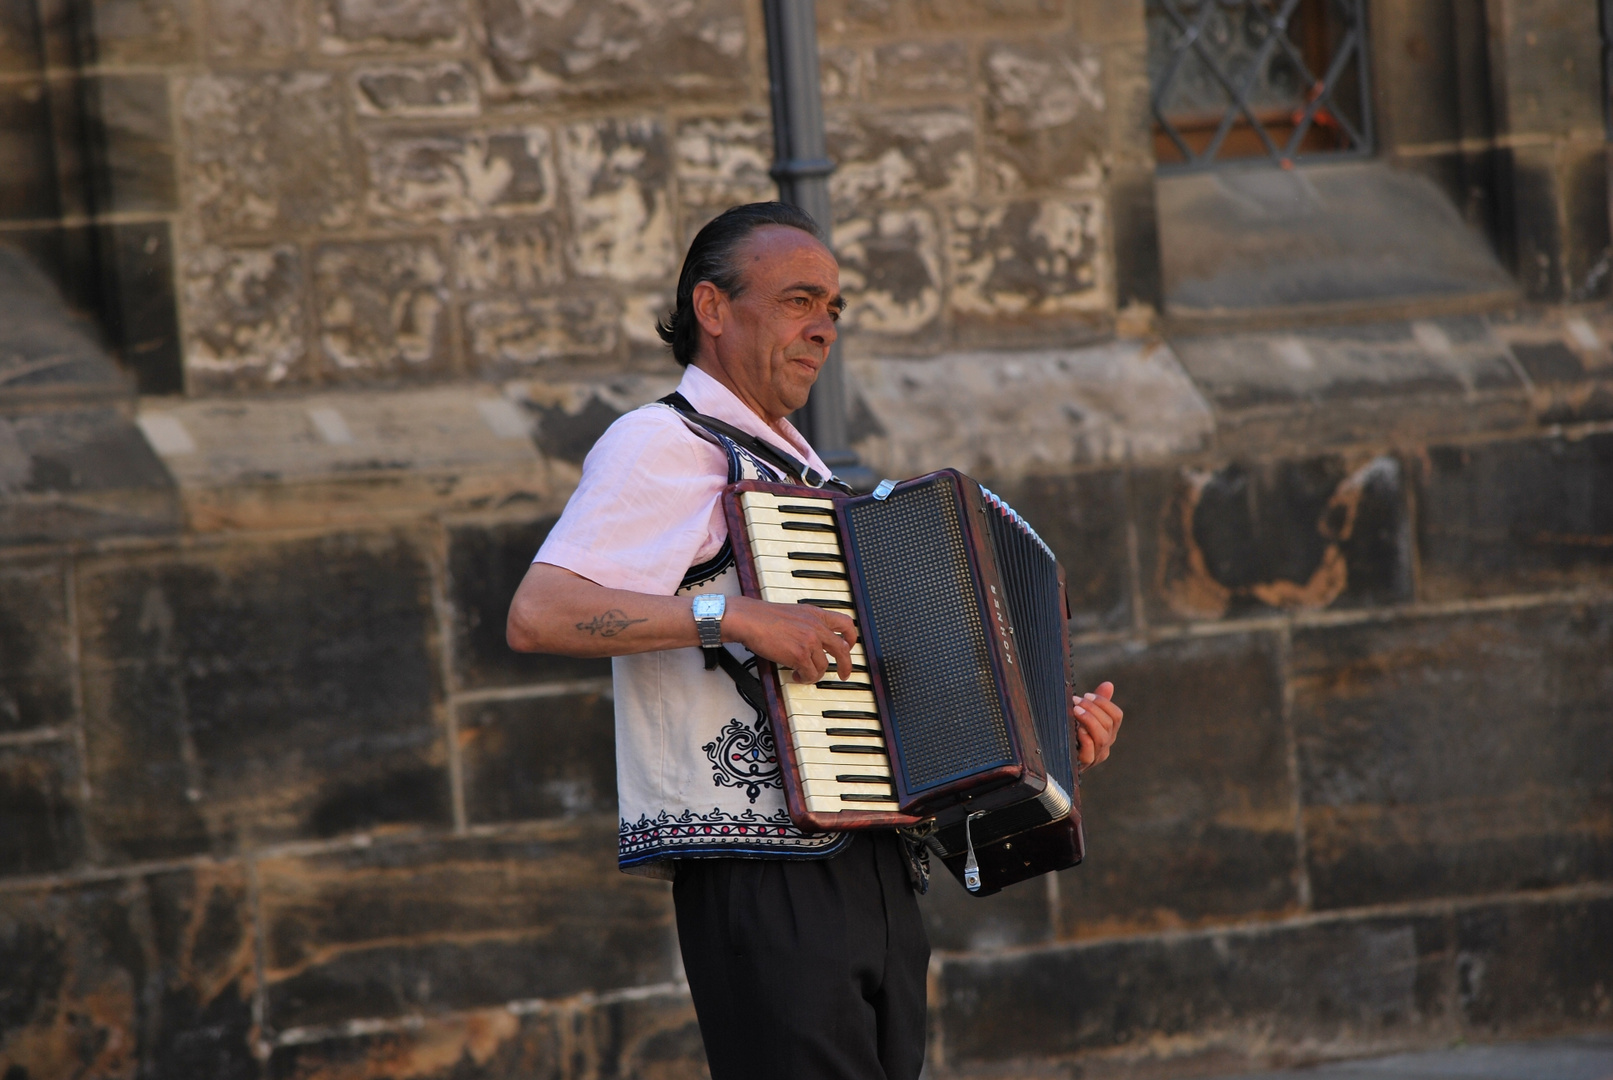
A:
956	720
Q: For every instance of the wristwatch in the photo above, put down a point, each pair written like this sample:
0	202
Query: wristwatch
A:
708	613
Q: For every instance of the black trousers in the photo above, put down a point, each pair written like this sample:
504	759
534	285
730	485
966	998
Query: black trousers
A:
806	969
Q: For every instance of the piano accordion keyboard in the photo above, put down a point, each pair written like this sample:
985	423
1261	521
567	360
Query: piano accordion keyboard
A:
833	724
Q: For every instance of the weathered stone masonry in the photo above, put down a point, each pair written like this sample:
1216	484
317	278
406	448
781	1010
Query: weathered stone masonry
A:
284	791
276	801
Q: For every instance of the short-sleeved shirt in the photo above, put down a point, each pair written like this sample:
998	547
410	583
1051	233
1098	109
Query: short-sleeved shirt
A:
648	506
697	774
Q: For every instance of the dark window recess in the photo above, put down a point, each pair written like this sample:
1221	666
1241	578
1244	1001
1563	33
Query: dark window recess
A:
1279	79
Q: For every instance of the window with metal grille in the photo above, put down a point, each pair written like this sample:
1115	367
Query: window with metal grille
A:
1281	79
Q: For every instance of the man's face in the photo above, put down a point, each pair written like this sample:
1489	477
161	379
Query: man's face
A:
771	340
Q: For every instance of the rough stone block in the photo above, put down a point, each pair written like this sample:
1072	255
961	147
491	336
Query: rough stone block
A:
1535	966
346	25
28	183
1286	535
539	757
49	29
216	719
516	335
457	924
36	665
251	28
1046	125
144	312
427	177
1135	230
641	312
1212	996
142	31
840	71
842	18
485	564
80	473
1082	516
569	425
920	68
1129	100
415	90
1028	268
959	14
248	327
1535	216
1417	46
1550	68
38	790
616	175
133	135
1020	915
149	976
1422	49
488	1044
1567	356
20	51
890	272
341	459
1395	382
267	153
1457	755
901	154
1008	415
616	49
383	309
1588	255
1515	516
1549	362
1110	21
653	1037
722	162
519	257
1192	817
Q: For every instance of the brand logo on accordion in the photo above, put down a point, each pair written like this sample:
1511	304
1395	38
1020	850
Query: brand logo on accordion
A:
1003	629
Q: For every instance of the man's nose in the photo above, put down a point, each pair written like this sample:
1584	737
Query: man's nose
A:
823	331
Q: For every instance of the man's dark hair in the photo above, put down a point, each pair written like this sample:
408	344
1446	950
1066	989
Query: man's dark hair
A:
712	258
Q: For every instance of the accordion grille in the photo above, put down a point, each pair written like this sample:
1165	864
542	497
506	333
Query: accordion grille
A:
925	626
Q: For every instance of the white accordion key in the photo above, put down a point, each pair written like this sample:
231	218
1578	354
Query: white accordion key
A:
841	757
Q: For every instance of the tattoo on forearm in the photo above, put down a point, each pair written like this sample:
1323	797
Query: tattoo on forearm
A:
609	624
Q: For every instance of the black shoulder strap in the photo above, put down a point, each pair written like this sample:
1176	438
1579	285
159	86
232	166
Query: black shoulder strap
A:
769	453
745	681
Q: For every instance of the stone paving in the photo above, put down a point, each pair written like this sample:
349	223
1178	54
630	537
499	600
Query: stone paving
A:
1586	1057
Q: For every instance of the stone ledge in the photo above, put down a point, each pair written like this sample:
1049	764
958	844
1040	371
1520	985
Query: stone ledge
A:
348	458
343	457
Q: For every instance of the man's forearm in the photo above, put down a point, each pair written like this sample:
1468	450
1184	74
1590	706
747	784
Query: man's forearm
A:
556	611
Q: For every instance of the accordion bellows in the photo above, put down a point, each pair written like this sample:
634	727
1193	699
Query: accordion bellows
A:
958	712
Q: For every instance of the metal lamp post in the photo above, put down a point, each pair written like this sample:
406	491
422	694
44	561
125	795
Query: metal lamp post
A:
801	168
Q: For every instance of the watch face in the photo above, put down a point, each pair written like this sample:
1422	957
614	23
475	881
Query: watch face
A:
708	607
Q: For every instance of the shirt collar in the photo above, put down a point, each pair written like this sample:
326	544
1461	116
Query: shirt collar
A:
711	397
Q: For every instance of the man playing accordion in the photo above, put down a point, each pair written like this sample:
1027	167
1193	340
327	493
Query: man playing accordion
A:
805	951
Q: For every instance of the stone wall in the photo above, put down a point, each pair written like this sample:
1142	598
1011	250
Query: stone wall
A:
280	802
348	192
1505	104
276	801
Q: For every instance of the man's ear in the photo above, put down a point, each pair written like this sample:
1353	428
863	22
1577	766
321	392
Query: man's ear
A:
710	308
